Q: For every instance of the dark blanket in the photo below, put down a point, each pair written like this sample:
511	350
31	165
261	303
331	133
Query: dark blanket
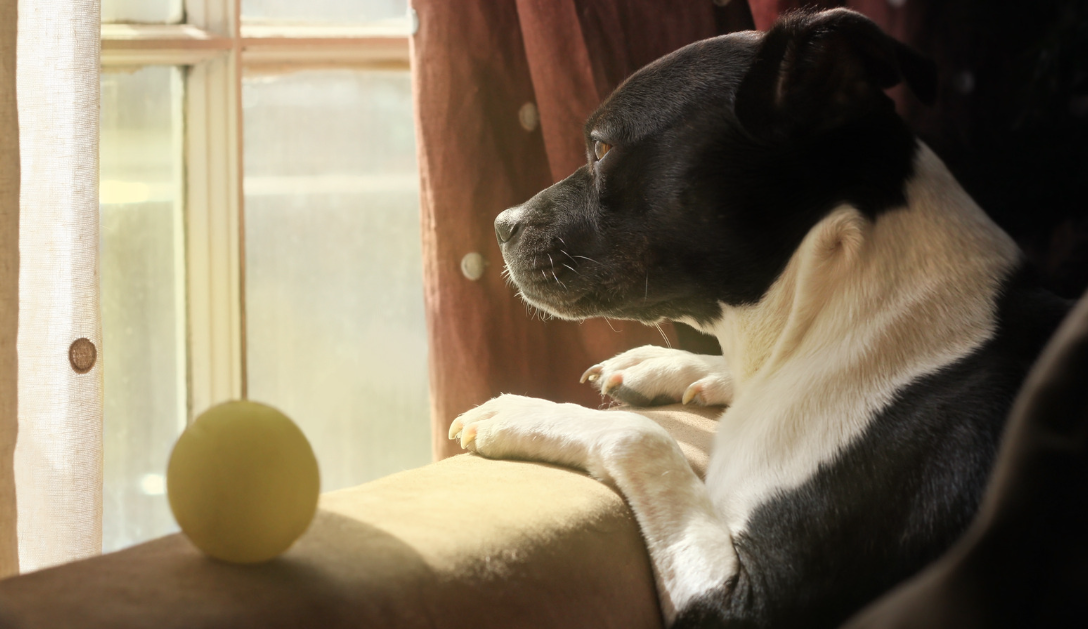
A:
1024	562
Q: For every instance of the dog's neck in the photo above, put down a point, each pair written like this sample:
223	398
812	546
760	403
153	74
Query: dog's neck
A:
918	285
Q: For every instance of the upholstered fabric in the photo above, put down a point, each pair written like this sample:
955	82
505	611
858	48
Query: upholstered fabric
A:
466	542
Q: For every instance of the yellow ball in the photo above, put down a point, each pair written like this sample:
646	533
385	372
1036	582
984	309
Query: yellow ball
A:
243	482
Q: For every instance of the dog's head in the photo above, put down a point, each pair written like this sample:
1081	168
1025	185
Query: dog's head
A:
706	168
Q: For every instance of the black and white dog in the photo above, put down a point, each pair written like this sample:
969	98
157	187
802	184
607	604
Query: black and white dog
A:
875	324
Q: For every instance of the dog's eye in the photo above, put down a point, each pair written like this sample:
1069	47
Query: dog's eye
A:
600	148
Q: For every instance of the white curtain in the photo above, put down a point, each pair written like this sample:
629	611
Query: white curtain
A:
58	453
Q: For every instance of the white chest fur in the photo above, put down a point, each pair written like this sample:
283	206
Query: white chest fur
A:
861	310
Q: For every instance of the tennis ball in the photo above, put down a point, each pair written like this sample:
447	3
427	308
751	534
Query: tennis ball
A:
243	482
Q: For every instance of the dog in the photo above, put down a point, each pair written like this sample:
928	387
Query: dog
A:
875	324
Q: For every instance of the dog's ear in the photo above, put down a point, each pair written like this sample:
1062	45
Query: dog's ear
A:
814	71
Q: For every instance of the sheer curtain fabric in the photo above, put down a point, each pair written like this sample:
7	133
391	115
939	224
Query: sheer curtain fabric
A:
58	454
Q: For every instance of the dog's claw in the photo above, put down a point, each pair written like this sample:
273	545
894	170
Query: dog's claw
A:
591	374
613	381
693	393
468	435
455	429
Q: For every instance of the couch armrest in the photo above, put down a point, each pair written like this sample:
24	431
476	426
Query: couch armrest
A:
466	542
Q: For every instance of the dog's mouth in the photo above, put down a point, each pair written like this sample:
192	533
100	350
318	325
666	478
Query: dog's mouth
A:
553	280
576	286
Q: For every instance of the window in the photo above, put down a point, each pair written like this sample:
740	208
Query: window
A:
259	236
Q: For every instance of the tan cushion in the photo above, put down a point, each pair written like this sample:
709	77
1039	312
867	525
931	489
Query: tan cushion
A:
466	542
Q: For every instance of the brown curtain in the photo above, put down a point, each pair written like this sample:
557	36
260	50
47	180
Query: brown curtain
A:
502	88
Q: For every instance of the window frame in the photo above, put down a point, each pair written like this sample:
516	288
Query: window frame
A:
215	47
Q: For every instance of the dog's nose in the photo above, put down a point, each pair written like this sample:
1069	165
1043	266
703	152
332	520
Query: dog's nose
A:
507	227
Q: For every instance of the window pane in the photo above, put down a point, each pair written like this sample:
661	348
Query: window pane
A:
143	297
325	11
334	295
142	11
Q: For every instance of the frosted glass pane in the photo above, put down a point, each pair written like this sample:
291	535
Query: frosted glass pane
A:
325	11
334	295
142	11
143	298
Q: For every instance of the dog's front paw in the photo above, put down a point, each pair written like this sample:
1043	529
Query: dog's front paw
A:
517	427
651	376
466	427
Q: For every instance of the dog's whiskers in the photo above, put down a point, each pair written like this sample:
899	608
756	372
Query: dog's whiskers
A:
556	277
662	333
